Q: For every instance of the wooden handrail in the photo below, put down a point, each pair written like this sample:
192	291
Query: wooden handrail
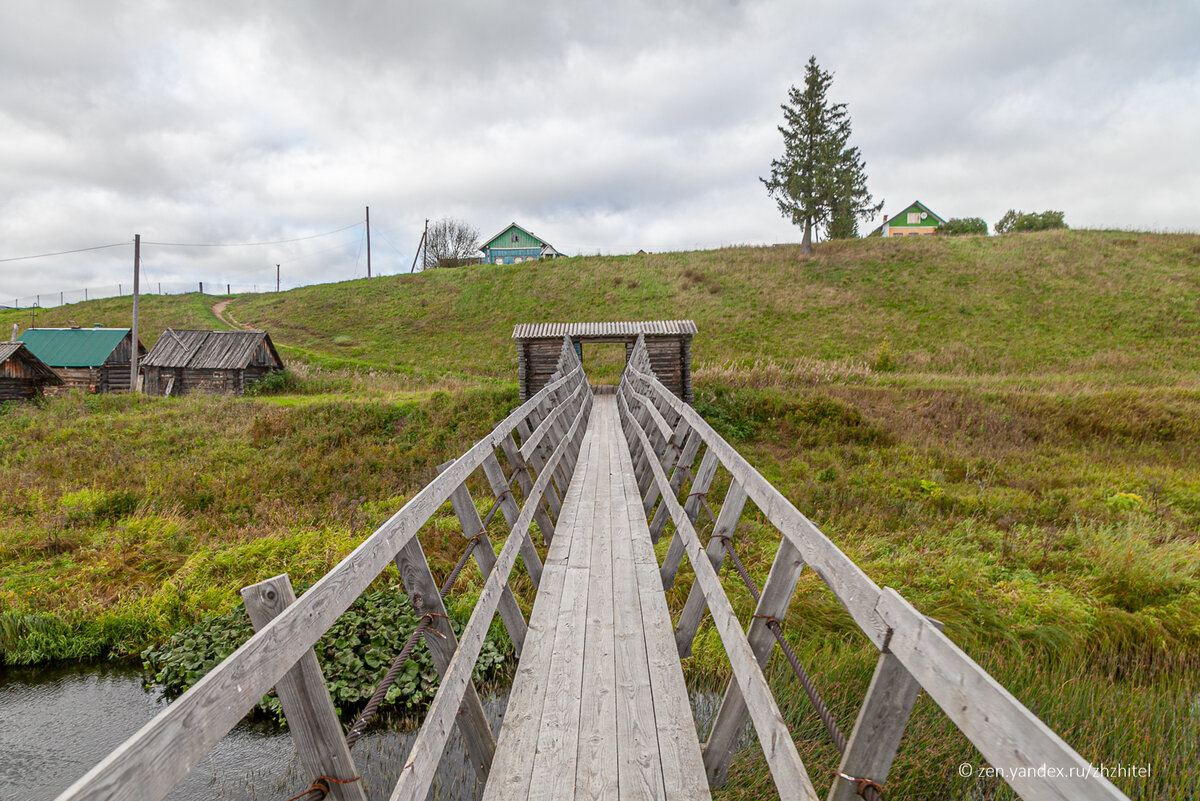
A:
1030	756
148	765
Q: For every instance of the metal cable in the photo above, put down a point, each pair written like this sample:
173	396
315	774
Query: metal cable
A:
448	584
773	626
368	714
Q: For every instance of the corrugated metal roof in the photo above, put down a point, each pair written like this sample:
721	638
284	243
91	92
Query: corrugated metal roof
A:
73	347
208	350
615	329
10	349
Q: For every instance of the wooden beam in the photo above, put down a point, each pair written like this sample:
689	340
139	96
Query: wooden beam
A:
307	707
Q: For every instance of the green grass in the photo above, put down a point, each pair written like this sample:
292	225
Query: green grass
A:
1003	429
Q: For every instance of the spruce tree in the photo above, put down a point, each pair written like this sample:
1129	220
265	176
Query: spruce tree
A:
820	182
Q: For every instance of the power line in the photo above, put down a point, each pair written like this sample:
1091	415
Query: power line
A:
250	244
65	252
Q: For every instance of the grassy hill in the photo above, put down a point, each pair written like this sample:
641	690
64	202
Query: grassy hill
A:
1084	305
1002	428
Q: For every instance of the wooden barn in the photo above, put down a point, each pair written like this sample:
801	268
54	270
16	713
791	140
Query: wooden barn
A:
89	359
216	362
23	375
669	343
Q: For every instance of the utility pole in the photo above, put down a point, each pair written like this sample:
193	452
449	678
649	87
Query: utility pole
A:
420	245
133	346
277	275
368	241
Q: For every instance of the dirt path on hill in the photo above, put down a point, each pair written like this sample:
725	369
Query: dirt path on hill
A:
218	309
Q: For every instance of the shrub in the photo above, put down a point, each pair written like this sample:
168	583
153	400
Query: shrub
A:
963	225
276	382
1014	221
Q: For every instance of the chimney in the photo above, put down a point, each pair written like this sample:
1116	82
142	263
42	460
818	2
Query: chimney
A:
885	218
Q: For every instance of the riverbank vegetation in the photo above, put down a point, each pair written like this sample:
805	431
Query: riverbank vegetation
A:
1003	429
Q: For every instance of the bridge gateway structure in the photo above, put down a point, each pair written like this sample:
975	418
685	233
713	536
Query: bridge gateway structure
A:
598	707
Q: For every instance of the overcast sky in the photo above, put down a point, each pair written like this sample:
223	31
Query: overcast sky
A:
601	126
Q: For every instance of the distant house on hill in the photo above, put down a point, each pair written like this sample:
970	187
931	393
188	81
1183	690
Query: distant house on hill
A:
916	220
514	245
216	362
23	375
90	359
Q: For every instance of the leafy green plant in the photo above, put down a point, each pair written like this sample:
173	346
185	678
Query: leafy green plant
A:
276	382
354	654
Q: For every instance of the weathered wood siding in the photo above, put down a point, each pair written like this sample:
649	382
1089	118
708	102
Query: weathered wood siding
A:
190	379
18	388
670	357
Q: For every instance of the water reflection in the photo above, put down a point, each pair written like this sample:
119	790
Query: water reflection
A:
55	725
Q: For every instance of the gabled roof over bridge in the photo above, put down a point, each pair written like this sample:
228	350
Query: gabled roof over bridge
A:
606	329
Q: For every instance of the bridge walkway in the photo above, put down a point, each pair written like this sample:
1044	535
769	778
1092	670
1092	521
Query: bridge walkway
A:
598	706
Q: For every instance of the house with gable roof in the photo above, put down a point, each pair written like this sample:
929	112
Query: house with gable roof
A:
916	220
514	245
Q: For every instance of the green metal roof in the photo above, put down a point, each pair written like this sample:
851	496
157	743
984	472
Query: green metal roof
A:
73	347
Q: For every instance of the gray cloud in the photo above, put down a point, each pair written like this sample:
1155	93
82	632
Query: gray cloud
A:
603	126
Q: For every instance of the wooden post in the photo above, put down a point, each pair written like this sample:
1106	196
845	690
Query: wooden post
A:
485	558
694	606
133	346
731	717
423	590
305	699
880	726
691	505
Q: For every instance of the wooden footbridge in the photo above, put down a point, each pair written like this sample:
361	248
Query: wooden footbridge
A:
598	707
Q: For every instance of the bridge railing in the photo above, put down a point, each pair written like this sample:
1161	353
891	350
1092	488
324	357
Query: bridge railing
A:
539	443
666	436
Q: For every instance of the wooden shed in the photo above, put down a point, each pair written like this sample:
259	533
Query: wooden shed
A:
23	375
89	359
669	343
217	362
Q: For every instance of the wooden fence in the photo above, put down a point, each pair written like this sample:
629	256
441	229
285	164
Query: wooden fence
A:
550	427
666	436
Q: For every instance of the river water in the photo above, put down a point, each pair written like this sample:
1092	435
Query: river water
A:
56	724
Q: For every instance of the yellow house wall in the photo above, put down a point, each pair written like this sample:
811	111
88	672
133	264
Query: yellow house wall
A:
909	231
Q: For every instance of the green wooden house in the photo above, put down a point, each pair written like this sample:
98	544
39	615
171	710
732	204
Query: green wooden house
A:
90	359
916	220
514	245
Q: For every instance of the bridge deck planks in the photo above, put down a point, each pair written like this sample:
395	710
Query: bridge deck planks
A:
598	707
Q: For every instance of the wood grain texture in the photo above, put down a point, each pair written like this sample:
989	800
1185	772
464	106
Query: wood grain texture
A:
307	707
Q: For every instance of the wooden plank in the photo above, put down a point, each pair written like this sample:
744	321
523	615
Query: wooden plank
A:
554	766
518	737
417	774
311	718
639	765
423	592
693	607
1008	735
787	770
595	770
679	749
731	717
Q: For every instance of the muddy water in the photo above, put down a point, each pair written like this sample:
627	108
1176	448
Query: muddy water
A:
55	725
